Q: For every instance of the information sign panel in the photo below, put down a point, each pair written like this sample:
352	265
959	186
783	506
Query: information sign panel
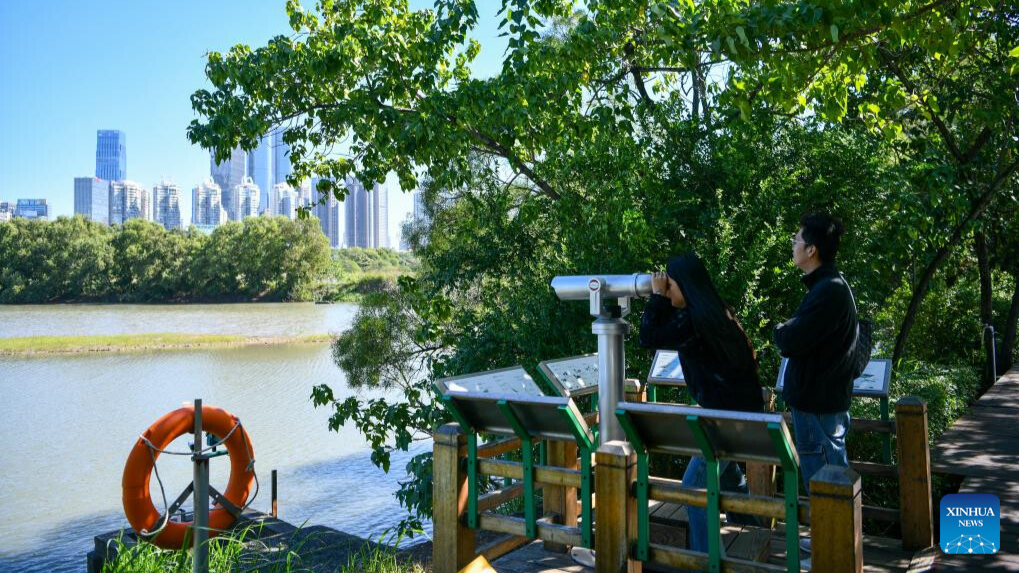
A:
573	376
873	382
513	380
666	369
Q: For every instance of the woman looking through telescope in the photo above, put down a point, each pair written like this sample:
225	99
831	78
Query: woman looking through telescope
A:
686	314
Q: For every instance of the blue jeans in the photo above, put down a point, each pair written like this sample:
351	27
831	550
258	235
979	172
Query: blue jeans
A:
731	479
820	440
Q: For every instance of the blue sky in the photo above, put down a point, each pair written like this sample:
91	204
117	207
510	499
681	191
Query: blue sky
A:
68	68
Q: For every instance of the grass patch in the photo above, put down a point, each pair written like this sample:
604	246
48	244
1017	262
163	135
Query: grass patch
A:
243	551
130	342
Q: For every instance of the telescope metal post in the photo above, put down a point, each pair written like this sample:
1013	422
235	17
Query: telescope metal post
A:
611	365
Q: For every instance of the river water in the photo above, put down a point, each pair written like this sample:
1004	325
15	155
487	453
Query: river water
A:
69	422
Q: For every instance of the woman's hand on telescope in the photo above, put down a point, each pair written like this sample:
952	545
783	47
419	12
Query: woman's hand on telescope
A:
659	283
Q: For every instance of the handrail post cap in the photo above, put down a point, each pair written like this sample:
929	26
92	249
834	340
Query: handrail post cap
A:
911	403
613	450
448	433
837	481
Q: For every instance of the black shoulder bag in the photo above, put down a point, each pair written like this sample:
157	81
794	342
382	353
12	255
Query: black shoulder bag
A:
864	338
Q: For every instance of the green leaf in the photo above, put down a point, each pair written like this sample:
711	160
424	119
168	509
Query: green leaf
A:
1014	52
834	33
742	36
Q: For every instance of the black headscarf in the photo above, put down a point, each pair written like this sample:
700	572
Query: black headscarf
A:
713	319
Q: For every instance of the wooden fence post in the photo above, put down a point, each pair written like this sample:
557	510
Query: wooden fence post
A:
915	505
836	521
761	477
561	500
453	541
615	471
634	390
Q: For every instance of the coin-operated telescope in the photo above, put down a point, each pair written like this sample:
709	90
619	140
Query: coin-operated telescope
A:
611	329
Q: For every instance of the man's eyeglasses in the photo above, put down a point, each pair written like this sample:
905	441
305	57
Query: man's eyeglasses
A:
795	242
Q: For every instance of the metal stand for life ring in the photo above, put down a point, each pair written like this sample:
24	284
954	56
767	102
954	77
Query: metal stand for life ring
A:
202	492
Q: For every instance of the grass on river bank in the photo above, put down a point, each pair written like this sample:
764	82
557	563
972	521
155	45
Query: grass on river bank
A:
240	552
139	342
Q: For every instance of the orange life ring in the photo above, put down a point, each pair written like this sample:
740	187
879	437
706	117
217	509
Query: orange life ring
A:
138	506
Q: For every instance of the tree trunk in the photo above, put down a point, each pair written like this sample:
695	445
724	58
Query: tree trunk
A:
990	373
978	208
1011	325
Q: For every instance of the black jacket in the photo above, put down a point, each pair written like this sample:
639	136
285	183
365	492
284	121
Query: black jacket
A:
819	341
712	383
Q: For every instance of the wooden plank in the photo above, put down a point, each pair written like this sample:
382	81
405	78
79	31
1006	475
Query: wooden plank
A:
875	469
997	562
880	555
654	506
547	531
923	561
533	558
1006	488
684	559
544	475
969	425
494	499
987	413
499	547
964	455
752	544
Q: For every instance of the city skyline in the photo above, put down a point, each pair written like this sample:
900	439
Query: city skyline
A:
56	127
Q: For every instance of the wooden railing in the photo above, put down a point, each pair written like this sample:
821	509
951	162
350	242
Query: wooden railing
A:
835	510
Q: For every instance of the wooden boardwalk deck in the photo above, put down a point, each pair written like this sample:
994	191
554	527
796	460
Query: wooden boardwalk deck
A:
983	447
668	526
880	556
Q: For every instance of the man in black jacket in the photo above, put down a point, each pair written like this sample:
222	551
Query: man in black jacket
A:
819	342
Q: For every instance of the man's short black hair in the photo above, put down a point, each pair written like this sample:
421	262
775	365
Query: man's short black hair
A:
823	231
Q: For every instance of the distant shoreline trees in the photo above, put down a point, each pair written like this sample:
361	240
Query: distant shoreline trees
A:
77	260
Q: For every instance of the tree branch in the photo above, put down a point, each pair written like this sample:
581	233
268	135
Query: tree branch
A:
953	148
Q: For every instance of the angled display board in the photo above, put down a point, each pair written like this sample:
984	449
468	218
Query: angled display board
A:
514	381
742	436
873	382
540	416
573	376
666	369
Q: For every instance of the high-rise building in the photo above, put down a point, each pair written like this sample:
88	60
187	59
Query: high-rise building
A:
304	193
357	213
367	215
92	198
328	212
380	216
207	204
6	211
260	167
228	175
166	205
129	200
111	154
419	207
234	200
282	192
32	209
289	202
249	197
281	167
